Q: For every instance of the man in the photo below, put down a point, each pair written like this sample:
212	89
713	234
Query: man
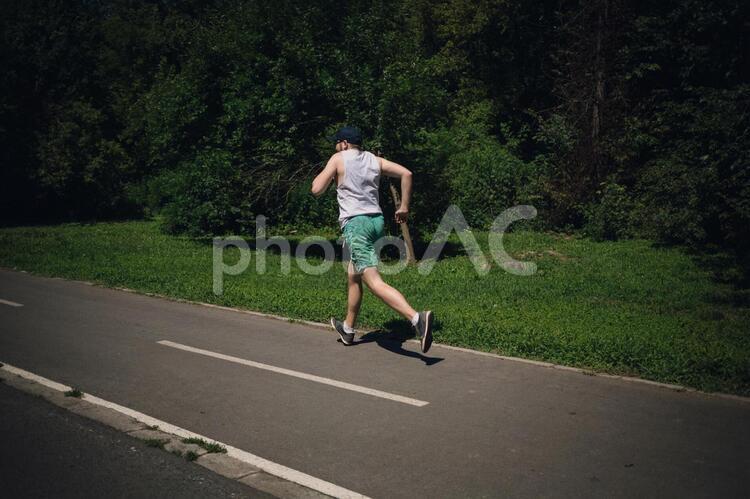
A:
358	174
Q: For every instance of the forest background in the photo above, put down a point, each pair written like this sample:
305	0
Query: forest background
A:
616	119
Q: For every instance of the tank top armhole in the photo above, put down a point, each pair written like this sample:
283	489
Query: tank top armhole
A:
343	170
379	171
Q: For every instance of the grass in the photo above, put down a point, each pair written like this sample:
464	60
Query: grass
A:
210	447
190	456
623	307
75	392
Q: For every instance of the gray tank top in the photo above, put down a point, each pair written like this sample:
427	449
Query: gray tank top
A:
358	193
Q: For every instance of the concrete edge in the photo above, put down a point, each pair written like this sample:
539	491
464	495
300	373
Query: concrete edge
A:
232	463
318	325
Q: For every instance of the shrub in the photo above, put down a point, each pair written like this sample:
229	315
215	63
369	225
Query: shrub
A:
208	196
477	172
609	216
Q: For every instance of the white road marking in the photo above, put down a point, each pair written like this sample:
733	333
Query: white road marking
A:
276	469
297	374
10	303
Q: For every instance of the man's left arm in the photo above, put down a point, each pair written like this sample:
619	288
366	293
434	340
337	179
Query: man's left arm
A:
323	180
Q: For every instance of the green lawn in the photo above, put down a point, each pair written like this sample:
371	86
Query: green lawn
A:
624	307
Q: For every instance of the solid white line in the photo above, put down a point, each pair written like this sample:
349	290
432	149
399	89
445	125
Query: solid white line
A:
297	374
264	464
11	303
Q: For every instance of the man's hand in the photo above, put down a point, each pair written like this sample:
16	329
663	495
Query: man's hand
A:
401	215
391	169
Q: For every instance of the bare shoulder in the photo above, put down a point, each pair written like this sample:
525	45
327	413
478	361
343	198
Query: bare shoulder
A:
336	165
338	160
392	169
384	163
335	160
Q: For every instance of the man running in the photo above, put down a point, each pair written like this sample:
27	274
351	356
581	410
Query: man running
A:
358	175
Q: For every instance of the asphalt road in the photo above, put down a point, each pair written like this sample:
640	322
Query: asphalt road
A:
490	427
51	452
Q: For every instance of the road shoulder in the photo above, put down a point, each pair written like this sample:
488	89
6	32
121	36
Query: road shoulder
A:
208	454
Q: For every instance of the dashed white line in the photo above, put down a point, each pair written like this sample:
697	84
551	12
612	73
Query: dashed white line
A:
10	303
297	374
279	470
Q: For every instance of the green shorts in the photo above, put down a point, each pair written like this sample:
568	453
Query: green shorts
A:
361	233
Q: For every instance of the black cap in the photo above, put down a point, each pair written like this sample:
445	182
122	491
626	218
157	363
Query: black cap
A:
350	134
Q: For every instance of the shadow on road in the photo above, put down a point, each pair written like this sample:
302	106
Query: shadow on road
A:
392	337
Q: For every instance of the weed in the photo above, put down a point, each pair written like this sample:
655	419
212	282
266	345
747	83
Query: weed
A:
75	392
211	447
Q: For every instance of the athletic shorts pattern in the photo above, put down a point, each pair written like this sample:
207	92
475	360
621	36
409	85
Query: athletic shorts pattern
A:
361	232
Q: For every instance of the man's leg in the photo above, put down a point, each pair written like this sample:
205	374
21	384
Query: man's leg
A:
393	298
390	295
354	297
361	233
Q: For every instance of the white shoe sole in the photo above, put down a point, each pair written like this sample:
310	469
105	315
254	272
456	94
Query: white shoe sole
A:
428	331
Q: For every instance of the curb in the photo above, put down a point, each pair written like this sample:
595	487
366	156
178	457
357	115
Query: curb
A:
318	325
224	460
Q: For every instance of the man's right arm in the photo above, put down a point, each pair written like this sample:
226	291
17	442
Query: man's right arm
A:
323	180
391	169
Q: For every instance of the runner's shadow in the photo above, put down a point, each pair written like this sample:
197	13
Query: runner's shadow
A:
392	338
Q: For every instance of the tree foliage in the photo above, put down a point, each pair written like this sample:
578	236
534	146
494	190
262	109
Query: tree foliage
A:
618	118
